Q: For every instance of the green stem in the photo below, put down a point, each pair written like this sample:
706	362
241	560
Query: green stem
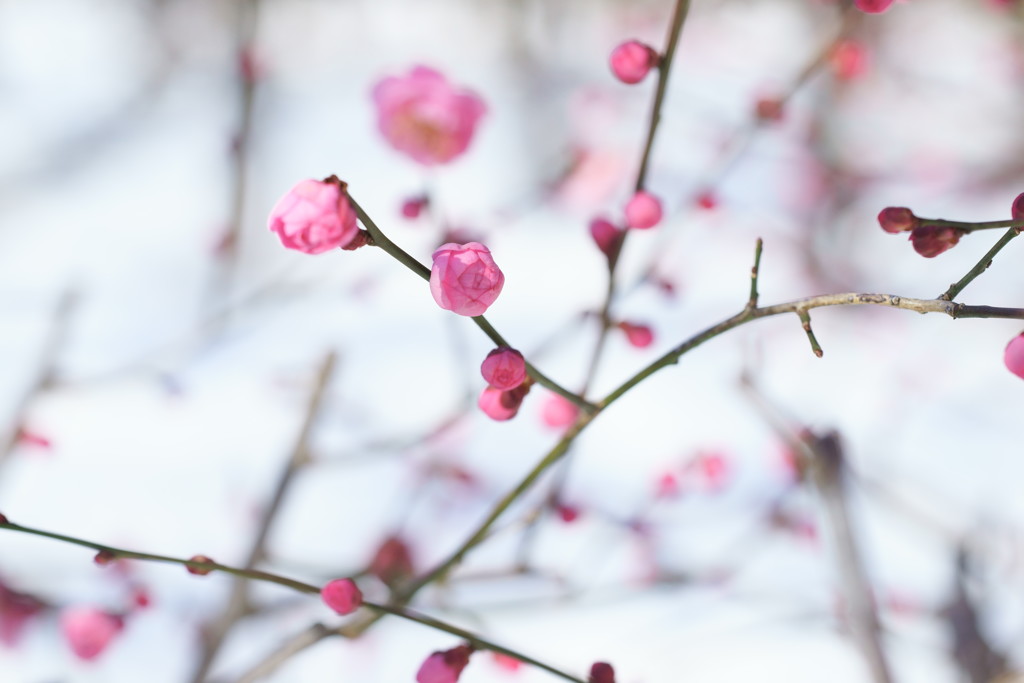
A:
981	266
969	227
121	553
379	239
476	641
754	272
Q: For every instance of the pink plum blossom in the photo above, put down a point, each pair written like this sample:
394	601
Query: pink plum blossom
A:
314	216
342	595
445	666
504	368
89	630
1014	356
632	60
643	211
421	114
465	279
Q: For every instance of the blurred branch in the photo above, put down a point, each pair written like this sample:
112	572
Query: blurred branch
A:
971	650
238	604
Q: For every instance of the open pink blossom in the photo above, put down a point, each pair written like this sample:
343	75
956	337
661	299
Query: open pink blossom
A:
640	336
465	279
342	595
314	216
504	368
559	412
1014	356
643	211
445	666
89	630
501	405
632	60
421	114
872	6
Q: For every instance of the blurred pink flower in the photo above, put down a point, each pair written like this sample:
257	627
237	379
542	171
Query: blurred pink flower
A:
342	595
465	279
444	667
643	210
314	216
424	116
849	59
559	412
16	609
640	336
504	368
1014	356
872	6
89	630
606	235
392	562
501	405
632	60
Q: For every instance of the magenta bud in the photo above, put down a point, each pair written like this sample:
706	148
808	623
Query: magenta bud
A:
897	219
504	368
601	672
199	571
643	211
1014	356
632	60
931	240
342	595
1017	210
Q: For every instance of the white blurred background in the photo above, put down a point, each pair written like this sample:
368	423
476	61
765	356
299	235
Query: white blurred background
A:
158	373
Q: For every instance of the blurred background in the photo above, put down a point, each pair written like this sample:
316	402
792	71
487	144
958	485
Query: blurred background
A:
160	351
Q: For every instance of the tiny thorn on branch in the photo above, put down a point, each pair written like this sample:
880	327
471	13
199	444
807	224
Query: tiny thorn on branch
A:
805	320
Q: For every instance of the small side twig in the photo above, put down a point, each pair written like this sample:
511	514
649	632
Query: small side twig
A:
979	267
754	272
805	321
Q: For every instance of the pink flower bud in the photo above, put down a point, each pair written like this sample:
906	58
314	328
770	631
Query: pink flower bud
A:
140	596
931	240
425	117
314	217
872	6
507	663
199	571
849	59
559	412
502	405
1017	210
392	563
897	219
504	368
567	513
769	109
414	206
445	666
89	630
606	236
643	211
1014	356
104	557
667	486
632	60
342	595
640	336
465	279
601	672
707	200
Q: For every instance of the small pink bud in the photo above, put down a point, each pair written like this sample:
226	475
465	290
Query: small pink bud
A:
769	109
567	513
465	279
1014	356
314	216
667	486
507	663
89	630
414	206
632	60
140	596
872	6
849	60
422	115
897	219
707	200
445	666
392	563
607	236
559	412
713	470
104	557
504	368
640	336
1017	210
342	595
931	240
601	672
502	405
643	211
199	571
